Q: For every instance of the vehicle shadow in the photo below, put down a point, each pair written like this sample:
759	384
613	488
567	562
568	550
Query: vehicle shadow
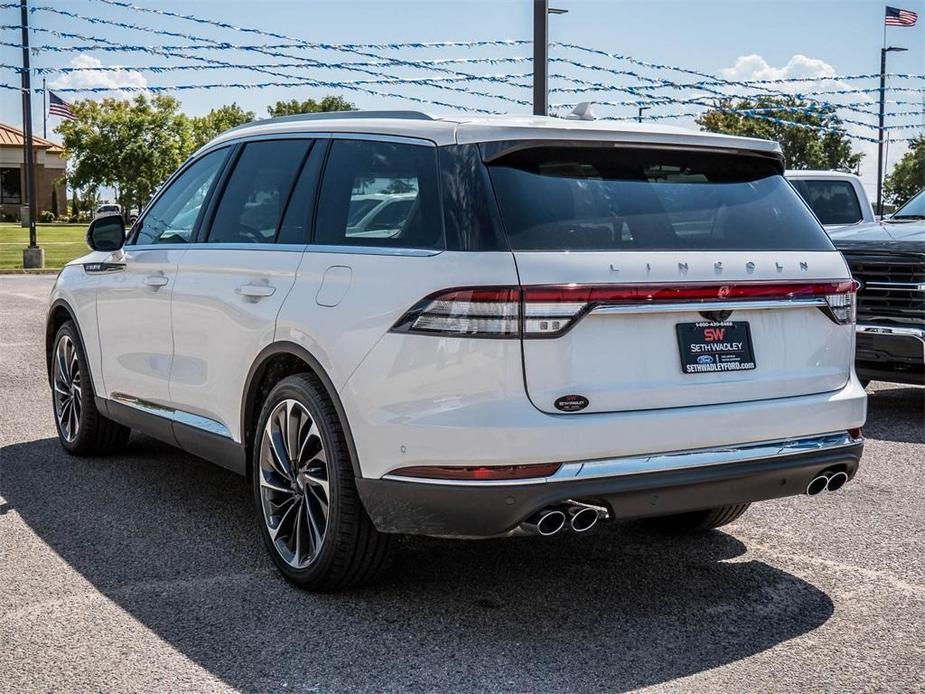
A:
172	541
896	413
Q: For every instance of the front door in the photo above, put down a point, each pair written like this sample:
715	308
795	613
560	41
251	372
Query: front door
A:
135	290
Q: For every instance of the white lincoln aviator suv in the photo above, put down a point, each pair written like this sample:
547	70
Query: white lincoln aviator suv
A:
467	327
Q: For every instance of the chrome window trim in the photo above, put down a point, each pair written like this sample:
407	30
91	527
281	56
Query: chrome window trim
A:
664	462
373	250
179	416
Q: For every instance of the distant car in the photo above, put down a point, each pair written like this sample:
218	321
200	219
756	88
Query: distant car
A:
837	198
888	259
379	215
107	211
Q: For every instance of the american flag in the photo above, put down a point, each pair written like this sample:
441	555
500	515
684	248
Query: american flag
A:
59	107
900	18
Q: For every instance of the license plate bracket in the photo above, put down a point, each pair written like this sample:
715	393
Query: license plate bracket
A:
715	347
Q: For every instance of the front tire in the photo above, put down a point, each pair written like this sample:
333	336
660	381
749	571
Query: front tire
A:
82	430
309	511
697	521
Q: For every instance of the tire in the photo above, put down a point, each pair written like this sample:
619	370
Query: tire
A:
697	521
310	514
82	430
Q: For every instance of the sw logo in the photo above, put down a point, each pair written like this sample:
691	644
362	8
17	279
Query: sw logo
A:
705	359
714	334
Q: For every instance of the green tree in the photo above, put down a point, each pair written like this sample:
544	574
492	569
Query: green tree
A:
54	198
131	146
217	121
804	148
908	176
294	106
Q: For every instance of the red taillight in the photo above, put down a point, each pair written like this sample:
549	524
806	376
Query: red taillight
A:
550	310
856	433
483	472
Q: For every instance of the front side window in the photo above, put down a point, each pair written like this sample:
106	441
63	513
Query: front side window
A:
914	209
10	186
172	218
257	191
607	198
379	194
834	202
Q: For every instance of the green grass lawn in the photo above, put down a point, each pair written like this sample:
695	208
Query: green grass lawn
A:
62	242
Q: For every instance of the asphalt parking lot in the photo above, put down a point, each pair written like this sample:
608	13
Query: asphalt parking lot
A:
144	572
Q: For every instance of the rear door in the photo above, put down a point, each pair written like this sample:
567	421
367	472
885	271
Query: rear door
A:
658	278
233	280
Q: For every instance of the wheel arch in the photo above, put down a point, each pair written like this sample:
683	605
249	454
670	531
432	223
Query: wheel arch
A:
274	362
59	313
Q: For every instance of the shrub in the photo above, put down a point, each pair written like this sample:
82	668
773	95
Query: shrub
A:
46	216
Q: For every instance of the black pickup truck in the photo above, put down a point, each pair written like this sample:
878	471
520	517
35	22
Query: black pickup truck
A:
888	259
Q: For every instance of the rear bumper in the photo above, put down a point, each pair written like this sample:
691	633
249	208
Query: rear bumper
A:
629	487
891	353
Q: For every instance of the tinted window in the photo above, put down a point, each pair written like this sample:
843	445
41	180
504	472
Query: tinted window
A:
257	191
297	220
379	194
601	199
834	202
914	209
173	216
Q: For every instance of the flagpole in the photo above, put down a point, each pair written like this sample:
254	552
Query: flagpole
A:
44	111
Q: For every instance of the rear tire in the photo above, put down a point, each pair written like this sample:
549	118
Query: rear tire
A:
82	430
697	521
308	509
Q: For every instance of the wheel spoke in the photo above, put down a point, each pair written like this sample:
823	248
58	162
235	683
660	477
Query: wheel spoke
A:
317	532
277	456
272	484
293	424
297	556
274	532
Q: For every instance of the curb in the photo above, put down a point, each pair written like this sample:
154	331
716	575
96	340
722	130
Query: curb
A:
20	271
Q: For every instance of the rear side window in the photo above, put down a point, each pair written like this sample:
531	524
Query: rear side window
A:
257	191
173	216
834	202
606	199
379	194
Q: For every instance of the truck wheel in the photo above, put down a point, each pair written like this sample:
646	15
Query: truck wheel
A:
697	521
309	511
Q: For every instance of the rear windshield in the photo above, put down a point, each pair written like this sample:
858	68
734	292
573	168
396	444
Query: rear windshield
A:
834	202
606	199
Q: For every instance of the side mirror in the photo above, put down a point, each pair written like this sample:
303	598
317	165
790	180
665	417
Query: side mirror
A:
106	233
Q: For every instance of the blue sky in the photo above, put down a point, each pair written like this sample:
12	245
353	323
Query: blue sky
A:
713	36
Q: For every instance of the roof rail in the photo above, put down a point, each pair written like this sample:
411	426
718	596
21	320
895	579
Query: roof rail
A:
339	115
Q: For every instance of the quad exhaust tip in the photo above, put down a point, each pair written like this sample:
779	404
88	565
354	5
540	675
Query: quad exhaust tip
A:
836	481
580	516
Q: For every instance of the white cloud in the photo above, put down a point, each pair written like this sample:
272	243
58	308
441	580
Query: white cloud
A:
754	67
111	79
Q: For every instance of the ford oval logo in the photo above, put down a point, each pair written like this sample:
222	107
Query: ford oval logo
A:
705	359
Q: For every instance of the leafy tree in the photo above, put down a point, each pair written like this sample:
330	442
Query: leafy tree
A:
131	146
217	121
804	148
294	106
908	176
54	198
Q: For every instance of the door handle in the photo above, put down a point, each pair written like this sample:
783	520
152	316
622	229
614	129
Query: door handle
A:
156	281
255	291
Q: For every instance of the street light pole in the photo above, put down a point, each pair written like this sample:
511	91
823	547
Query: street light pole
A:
32	257
880	126
541	12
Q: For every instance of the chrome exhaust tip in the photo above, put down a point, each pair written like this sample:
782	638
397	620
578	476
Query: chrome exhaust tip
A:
547	522
836	481
817	485
583	518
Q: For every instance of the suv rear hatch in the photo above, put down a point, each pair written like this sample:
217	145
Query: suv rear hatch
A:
669	277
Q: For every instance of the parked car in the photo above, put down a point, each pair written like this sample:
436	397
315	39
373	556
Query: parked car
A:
838	199
572	322
888	259
107	210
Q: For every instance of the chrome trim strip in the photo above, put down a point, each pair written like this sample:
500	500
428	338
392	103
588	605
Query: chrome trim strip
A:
193	420
899	286
738	305
373	250
662	462
890	330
